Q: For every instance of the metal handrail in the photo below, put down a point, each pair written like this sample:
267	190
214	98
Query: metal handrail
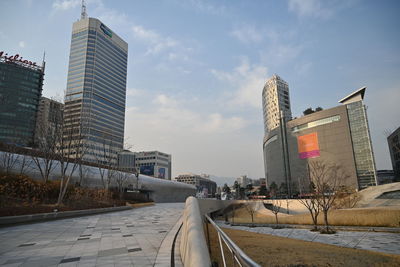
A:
241	258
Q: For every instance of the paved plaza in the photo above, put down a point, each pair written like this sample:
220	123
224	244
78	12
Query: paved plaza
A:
375	241
124	238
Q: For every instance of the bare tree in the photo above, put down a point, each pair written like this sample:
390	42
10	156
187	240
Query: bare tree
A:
327	180
48	135
71	151
8	160
312	206
347	198
106	161
276	207
121	179
251	208
25	162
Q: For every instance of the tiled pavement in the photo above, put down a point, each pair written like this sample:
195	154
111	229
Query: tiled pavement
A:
375	241
124	238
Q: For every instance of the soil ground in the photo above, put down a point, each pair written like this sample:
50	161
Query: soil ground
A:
268	250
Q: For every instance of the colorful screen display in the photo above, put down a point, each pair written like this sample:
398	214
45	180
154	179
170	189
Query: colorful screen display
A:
161	173
147	170
308	146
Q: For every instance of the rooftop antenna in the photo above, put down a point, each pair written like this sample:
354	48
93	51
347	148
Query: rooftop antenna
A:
44	57
83	10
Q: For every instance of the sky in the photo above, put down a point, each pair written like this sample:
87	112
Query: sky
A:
196	68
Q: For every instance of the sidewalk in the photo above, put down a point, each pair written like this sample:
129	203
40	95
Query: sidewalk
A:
123	238
374	241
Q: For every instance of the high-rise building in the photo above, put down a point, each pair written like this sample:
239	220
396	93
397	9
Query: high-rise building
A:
154	163
21	83
339	135
276	111
48	120
394	148
276	103
205	187
243	181
126	161
94	114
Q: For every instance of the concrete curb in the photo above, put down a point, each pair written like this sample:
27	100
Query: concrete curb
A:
335	227
10	220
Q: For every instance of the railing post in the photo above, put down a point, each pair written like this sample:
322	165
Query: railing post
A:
222	249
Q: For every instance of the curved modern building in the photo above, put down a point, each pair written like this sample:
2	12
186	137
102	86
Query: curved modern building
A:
339	135
276	111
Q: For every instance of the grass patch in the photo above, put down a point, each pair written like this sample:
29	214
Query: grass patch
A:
376	217
268	250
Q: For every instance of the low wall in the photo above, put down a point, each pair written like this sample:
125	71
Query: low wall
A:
7	220
211	205
193	246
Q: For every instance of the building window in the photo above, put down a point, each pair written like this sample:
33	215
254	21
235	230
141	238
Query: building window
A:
315	123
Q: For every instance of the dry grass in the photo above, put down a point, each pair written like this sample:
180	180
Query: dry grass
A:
389	217
270	250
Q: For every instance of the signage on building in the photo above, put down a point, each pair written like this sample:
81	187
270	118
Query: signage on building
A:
106	30
147	170
15	58
308	146
161	173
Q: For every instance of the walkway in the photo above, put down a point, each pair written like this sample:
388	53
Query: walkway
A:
124	238
375	241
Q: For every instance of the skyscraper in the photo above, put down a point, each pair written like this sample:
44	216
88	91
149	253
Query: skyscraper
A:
276	111
21	83
275	98
94	114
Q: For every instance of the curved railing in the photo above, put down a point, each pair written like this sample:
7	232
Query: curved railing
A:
241	258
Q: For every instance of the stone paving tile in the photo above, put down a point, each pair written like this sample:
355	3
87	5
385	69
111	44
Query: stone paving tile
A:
135	240
374	241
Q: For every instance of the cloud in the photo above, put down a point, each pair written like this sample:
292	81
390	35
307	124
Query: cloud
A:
248	81
309	8
65	4
134	92
21	44
206	7
247	34
198	139
165	101
157	43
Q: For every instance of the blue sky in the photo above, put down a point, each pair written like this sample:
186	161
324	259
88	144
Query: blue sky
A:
197	68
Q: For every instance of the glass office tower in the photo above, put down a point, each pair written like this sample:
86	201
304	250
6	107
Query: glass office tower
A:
360	136
21	83
94	112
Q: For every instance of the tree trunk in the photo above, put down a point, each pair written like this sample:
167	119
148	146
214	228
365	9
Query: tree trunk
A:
326	220
276	218
315	221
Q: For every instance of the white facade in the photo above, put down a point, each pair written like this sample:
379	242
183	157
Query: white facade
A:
205	186
275	98
244	181
154	163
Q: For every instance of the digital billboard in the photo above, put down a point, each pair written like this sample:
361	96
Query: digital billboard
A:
147	170
308	146
161	173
